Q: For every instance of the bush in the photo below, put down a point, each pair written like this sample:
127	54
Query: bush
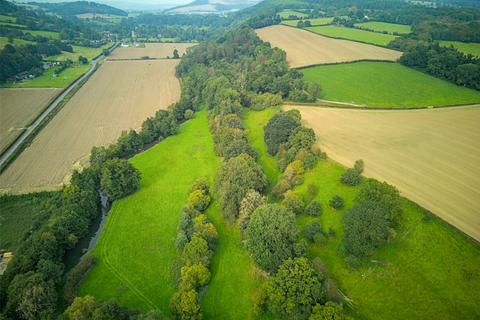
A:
358	166
280	188
189	113
337	202
293	202
329	311
199	200
266	100
312	229
119	179
185	305
351	177
75	276
314	208
193	277
196	251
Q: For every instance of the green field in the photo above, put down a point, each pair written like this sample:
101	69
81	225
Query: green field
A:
385	27
17	216
11	24
4	18
376	38
137	249
430	271
314	22
386	84
42	33
287	13
4	41
47	80
78	51
468	48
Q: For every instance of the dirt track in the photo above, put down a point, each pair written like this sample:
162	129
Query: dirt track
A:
151	50
18	108
432	156
305	48
119	96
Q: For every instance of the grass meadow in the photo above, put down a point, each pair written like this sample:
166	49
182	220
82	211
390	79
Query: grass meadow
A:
43	33
430	270
136	251
386	84
287	13
4	41
78	51
48	80
465	47
376	38
385	27
314	22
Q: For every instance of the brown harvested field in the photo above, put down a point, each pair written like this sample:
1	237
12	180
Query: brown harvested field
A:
432	156
18	108
152	50
305	48
119	96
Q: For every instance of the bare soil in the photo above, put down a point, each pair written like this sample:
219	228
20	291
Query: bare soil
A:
119	96
305	48
151	50
432	156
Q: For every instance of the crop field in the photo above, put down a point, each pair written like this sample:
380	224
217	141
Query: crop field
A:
304	48
137	248
379	39
287	13
314	22
19	108
385	84
465	47
151	50
385	27
426	154
431	261
119	96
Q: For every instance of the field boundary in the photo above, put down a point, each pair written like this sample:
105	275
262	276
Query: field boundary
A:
140	59
337	38
345	105
341	62
24	139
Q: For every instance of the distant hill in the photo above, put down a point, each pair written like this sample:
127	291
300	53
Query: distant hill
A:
79	7
213	6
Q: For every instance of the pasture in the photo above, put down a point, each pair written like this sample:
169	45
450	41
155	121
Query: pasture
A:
151	50
49	78
4	41
385	84
431	261
313	22
19	108
89	53
465	47
43	33
119	96
390	28
379	39
286	14
305	48
425	153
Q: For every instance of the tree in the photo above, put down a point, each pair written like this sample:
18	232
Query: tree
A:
336	202
271	235
30	296
313	231
175	54
329	311
194	276
185	305
250	202
295	289
82	60
196	251
199	200
236	177
351	177
293	202
384	196
314	208
82	308
279	128
119	179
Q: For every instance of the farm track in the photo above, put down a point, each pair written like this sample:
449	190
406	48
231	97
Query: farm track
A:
432	155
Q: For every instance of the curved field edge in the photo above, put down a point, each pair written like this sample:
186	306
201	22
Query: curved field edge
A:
386	84
136	251
429	271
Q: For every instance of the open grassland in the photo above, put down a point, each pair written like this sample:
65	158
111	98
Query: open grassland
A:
119	96
43	33
385	27
18	214
431	156
13	25
4	18
384	84
19	107
151	50
89	53
430	271
49	80
379	39
465	47
4	41
304	48
285	14
313	22
136	250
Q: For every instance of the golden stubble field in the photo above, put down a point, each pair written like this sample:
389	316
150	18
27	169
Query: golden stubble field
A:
119	96
305	48
18	108
432	156
151	50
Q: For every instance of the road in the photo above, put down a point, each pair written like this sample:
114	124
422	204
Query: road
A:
5	156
